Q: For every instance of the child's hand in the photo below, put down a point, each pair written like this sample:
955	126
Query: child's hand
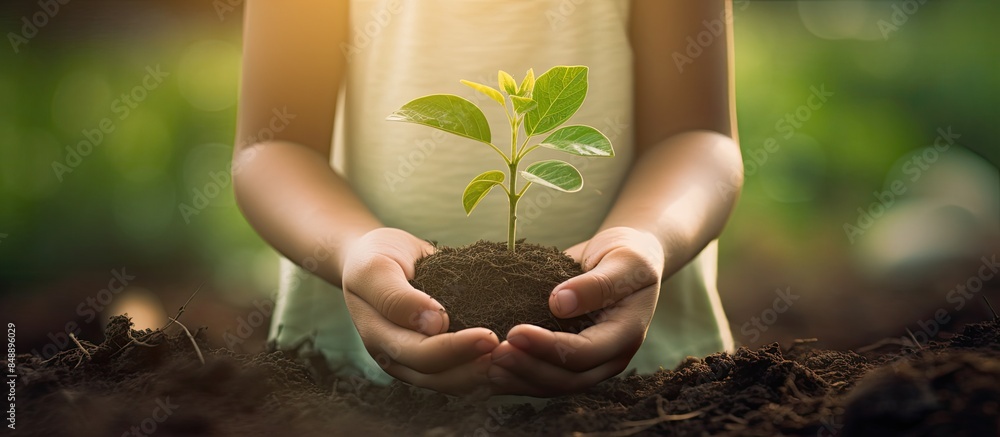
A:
623	267
401	326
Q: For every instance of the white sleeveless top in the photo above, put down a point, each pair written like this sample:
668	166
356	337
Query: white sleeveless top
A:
412	176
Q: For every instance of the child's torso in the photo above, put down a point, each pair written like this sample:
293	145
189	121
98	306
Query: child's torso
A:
412	177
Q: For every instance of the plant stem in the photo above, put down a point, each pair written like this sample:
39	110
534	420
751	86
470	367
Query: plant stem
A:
512	195
512	217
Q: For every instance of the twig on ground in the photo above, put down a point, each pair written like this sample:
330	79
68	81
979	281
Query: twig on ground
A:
137	341
191	337
880	343
995	316
914	338
85	352
636	426
183	307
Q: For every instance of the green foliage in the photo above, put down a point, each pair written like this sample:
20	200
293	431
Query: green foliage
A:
449	113
488	90
559	93
539	106
580	140
479	187
556	174
507	82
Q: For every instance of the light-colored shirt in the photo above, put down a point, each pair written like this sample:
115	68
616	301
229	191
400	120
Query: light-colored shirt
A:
412	177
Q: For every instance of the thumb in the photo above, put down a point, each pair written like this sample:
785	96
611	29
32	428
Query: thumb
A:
382	285
618	274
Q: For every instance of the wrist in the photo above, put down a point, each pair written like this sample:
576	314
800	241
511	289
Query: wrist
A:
347	244
663	240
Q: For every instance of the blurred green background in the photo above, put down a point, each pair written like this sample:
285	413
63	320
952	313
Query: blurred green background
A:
893	85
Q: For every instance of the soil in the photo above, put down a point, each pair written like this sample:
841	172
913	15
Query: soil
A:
155	382
485	284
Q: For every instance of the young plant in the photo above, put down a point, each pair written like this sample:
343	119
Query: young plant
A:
539	107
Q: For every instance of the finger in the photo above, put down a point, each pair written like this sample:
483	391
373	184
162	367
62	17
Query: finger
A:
381	282
463	379
594	346
546	379
389	343
618	274
436	353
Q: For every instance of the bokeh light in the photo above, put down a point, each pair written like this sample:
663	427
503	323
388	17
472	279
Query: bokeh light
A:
142	305
141	147
207	75
841	19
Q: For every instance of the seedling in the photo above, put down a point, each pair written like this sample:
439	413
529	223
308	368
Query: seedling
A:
539	107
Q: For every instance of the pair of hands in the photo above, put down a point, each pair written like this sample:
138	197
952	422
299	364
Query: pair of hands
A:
404	329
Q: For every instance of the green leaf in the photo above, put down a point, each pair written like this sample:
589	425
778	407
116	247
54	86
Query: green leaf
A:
487	90
579	140
449	113
507	82
559	93
479	188
556	174
527	84
523	104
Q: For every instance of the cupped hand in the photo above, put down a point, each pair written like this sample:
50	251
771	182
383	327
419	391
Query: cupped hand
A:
620	285
403	328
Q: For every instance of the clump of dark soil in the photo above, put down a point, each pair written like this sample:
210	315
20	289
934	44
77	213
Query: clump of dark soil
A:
145	382
485	284
937	394
155	382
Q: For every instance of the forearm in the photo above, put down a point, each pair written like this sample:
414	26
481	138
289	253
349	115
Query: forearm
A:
682	191
299	205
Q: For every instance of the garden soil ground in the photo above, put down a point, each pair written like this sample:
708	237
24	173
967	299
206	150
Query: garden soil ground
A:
154	383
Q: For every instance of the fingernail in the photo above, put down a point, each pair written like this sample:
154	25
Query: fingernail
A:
430	322
484	346
566	301
519	341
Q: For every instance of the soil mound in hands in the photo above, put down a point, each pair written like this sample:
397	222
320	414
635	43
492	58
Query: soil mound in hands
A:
485	284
